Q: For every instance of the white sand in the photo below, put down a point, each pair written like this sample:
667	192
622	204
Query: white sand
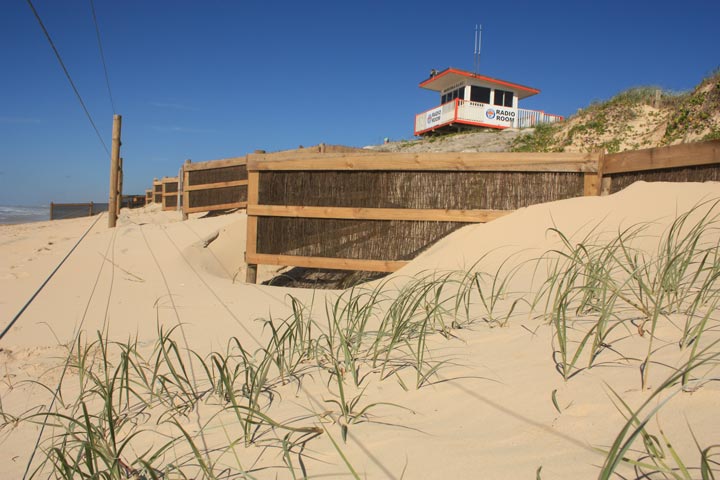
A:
493	417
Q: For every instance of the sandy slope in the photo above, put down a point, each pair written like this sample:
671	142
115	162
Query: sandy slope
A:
489	414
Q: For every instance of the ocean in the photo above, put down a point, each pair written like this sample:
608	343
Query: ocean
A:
23	214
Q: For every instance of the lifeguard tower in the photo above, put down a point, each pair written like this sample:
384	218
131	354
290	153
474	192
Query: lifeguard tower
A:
469	100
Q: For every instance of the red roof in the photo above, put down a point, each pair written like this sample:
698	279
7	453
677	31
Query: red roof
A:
451	75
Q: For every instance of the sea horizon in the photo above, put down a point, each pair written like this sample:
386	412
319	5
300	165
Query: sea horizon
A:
14	214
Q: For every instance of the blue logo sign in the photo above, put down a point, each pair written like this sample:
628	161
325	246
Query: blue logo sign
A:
490	113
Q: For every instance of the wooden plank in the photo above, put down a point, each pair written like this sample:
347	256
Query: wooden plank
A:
478	162
321	151
209	186
210	208
221	163
675	156
591	186
435	215
326	262
185	193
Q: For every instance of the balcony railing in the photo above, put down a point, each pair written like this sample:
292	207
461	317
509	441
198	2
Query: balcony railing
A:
480	114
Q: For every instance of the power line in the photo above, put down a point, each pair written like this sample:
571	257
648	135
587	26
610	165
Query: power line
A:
67	74
102	55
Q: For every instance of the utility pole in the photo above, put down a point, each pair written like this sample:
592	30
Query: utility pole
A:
114	171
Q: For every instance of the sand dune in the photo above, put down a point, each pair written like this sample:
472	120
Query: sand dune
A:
497	405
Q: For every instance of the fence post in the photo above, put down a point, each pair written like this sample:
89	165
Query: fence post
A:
52	208
92	205
593	181
253	194
183	196
114	167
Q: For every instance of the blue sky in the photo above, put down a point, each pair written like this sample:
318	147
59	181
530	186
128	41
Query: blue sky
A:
214	79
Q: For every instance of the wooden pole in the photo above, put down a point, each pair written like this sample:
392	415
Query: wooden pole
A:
120	186
183	194
114	170
52	207
92	208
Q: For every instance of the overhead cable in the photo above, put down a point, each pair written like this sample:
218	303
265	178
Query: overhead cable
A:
67	74
102	55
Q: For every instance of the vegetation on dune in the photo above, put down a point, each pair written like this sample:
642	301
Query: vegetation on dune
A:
604	297
640	117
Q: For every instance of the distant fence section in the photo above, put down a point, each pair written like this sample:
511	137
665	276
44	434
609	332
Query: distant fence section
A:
223	184
157	191
215	185
169	193
60	211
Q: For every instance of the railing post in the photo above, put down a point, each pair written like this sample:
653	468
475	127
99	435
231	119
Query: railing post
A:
92	205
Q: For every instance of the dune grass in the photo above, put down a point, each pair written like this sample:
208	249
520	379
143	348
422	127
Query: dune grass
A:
595	293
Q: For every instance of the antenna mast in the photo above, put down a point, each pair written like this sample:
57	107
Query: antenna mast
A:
478	45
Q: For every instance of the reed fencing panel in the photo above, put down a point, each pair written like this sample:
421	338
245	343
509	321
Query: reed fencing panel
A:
223	184
376	211
169	193
60	211
688	162
215	185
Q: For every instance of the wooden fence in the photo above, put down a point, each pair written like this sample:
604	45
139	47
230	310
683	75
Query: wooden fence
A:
148	196
222	184
169	193
377	211
60	211
157	191
214	185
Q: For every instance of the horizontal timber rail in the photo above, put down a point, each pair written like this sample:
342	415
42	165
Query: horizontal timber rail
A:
477	162
434	215
675	156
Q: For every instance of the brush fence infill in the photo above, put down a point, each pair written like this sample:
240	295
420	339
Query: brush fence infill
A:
376	211
215	185
169	193
688	162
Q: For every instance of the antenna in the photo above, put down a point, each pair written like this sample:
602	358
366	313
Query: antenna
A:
478	46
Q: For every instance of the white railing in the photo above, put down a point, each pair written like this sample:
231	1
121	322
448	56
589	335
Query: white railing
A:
481	114
530	118
471	111
435	117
